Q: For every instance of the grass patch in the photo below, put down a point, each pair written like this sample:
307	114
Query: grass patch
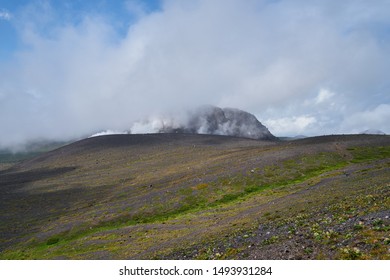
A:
52	240
363	154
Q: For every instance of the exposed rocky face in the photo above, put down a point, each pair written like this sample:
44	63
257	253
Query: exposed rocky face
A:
227	121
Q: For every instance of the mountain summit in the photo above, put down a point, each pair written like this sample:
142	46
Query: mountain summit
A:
373	132
218	121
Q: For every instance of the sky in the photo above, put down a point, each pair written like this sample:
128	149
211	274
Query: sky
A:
69	69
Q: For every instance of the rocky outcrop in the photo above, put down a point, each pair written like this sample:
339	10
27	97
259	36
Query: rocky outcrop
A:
218	121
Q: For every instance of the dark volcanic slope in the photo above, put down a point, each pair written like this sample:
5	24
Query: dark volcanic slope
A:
137	144
199	196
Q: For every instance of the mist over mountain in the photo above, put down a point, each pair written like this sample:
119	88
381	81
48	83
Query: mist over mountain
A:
373	131
209	120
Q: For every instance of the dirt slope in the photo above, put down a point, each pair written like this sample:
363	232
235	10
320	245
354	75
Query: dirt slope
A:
199	196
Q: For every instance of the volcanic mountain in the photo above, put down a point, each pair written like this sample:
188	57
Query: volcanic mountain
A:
373	132
217	121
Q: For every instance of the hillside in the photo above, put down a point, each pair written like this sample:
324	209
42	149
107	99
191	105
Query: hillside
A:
182	196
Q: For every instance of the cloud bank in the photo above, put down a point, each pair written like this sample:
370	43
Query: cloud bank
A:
302	67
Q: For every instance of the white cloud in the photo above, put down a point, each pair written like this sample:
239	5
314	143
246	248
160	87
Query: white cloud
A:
324	95
5	15
290	126
376	118
254	55
108	132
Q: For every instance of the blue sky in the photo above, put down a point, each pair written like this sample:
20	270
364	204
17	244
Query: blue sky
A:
14	13
72	68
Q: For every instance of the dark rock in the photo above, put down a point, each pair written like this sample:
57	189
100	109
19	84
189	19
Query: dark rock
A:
227	121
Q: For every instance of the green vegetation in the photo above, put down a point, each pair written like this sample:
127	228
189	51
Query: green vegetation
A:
240	200
52	240
364	154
